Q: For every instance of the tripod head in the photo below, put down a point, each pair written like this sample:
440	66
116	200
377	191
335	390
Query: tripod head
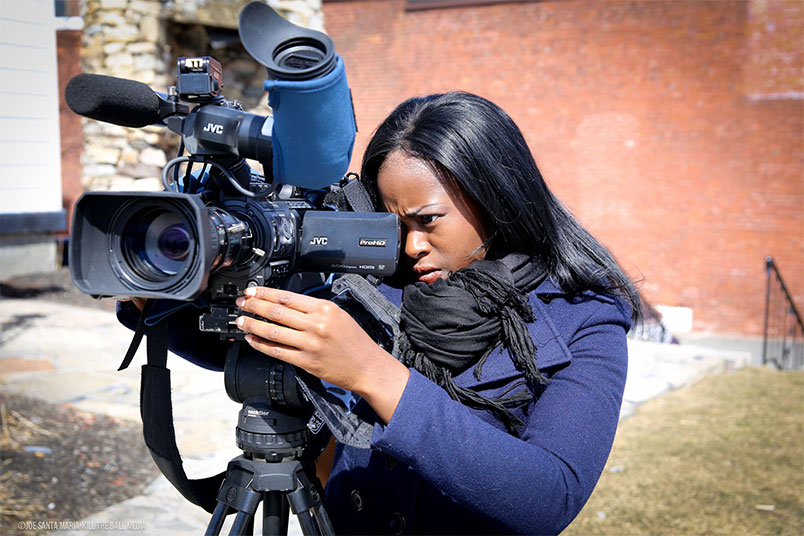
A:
272	424
272	433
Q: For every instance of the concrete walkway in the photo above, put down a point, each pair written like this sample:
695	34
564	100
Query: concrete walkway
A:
69	355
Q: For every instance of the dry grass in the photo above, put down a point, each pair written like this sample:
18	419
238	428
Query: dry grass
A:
15	432
723	457
60	464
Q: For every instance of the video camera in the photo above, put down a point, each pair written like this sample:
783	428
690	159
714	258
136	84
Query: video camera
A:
222	228
227	227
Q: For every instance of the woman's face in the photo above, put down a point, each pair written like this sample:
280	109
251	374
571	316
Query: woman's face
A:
443	229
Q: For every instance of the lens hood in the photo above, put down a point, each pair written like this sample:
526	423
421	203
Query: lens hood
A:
288	52
107	257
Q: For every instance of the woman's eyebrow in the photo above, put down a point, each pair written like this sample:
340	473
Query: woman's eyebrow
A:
414	213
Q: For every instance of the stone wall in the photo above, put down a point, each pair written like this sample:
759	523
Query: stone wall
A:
141	40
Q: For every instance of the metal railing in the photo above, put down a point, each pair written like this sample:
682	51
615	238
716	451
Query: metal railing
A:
783	344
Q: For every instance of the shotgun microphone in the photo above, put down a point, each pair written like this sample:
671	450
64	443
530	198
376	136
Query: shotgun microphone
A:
127	103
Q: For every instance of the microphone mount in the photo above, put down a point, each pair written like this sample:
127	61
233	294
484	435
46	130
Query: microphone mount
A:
169	105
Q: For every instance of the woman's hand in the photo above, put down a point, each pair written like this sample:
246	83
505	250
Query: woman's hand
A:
321	338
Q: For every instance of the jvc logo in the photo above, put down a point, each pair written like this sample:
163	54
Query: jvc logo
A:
319	241
215	129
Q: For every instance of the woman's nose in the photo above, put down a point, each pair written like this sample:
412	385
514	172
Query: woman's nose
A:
416	244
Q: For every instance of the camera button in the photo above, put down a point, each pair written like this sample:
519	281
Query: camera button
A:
398	523
357	500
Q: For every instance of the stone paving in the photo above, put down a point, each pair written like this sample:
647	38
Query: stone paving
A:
67	354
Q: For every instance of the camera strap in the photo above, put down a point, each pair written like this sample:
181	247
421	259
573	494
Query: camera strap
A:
136	340
356	195
156	410
380	319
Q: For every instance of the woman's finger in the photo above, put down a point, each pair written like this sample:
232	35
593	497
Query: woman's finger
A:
292	300
274	312
272	332
274	349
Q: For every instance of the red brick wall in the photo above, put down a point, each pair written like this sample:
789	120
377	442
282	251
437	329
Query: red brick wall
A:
672	129
68	43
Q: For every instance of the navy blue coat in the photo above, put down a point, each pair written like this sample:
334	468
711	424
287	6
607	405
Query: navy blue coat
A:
440	467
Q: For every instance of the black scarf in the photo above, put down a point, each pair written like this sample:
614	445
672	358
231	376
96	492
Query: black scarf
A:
453	324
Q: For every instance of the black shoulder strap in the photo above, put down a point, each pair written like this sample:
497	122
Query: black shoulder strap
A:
137	339
156	409
356	194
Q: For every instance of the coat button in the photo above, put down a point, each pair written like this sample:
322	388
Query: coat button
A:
397	523
357	500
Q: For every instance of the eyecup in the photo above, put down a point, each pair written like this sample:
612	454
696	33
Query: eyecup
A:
288	52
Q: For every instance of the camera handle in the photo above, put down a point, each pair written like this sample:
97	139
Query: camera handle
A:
169	187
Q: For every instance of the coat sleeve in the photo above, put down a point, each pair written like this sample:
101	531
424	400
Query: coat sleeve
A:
537	483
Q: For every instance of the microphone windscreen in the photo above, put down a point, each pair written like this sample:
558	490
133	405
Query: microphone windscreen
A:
127	103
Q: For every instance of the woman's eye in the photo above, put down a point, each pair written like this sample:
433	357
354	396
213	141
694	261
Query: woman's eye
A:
427	219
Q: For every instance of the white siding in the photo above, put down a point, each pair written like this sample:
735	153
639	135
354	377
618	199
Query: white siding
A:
30	154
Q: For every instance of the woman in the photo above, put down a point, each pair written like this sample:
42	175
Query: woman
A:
471	440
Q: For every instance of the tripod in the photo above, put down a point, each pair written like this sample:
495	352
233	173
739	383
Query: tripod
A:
269	470
277	485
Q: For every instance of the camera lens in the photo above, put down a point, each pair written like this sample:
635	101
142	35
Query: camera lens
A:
156	244
174	242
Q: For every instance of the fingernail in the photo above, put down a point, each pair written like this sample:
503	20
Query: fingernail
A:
240	320
250	291
249	337
240	301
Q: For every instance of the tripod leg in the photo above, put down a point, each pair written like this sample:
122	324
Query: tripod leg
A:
321	517
216	523
308	527
243	524
275	514
313	519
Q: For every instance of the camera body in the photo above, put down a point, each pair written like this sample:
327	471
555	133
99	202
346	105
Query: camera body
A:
168	245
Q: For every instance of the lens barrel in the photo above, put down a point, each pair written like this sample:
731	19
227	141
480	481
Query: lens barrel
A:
156	244
233	238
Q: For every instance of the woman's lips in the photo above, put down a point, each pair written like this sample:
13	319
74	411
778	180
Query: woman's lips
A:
429	277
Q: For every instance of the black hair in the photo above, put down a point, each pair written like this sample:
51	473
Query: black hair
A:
471	141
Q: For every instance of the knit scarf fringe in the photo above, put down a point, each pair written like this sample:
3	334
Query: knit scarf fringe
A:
500	300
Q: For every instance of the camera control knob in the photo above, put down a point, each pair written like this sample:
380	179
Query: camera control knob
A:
287	230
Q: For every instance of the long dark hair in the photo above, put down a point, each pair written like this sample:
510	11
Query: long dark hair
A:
471	141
